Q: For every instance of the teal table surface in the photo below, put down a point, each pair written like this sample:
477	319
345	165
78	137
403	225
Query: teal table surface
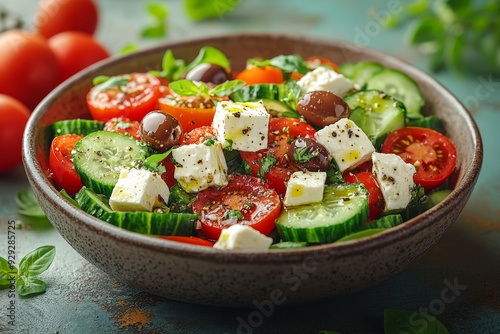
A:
82	299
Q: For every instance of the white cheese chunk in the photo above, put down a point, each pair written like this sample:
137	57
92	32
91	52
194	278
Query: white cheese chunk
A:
324	78
138	190
304	188
199	166
239	236
395	179
348	145
243	125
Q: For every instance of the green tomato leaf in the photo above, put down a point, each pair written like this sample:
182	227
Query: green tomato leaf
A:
209	54
37	261
28	286
226	88
185	87
7	273
401	321
198	10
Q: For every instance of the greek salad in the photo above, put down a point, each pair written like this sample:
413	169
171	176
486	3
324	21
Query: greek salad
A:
287	152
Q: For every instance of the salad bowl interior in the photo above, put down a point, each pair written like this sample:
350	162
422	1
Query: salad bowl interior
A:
209	276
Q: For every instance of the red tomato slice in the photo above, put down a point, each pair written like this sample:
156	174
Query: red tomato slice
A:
245	200
188	240
258	75
376	200
124	125
281	132
199	135
61	163
432	153
132	99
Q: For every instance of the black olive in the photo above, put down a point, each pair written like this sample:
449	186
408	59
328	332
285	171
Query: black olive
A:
322	108
307	153
206	72
160	130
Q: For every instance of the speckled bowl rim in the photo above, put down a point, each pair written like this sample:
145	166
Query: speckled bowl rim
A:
372	243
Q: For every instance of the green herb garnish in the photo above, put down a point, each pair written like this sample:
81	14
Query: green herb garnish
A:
234	214
31	265
28	205
302	155
158	28
267	162
198	10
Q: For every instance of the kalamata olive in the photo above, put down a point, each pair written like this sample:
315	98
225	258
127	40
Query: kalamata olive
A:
322	108
307	153
160	130
208	73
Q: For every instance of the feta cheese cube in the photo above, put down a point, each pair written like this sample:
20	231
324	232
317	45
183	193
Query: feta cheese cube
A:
395	179
348	145
239	236
324	78
199	166
138	190
304	188
242	124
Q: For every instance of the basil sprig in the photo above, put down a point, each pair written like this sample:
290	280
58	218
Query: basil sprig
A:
186	87
31	266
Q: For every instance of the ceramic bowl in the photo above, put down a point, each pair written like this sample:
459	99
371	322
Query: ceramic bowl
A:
241	278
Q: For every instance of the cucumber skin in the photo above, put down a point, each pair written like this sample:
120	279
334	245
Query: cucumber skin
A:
102	184
330	232
141	222
77	126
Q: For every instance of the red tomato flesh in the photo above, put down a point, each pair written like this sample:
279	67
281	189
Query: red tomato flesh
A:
132	100
432	153
376	200
61	163
188	240
257	203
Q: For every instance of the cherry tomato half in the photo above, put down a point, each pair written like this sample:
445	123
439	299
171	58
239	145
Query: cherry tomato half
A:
61	163
15	115
245	200
123	125
199	135
191	111
376	199
281	132
188	240
129	95
432	153
258	75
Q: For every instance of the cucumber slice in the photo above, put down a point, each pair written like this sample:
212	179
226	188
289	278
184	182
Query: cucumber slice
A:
140	222
376	113
288	245
401	87
361	234
436	196
100	156
365	70
347	69
344	209
77	126
386	222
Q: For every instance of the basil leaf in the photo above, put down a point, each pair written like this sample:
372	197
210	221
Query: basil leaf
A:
154	31
267	162
111	82
100	79
209	54
302	154
171	67
7	273
234	214
153	161
158	28
402	321
37	261
158	11
226	88
184	87
27	286
28	204
427	30
198	10
127	48
289	63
